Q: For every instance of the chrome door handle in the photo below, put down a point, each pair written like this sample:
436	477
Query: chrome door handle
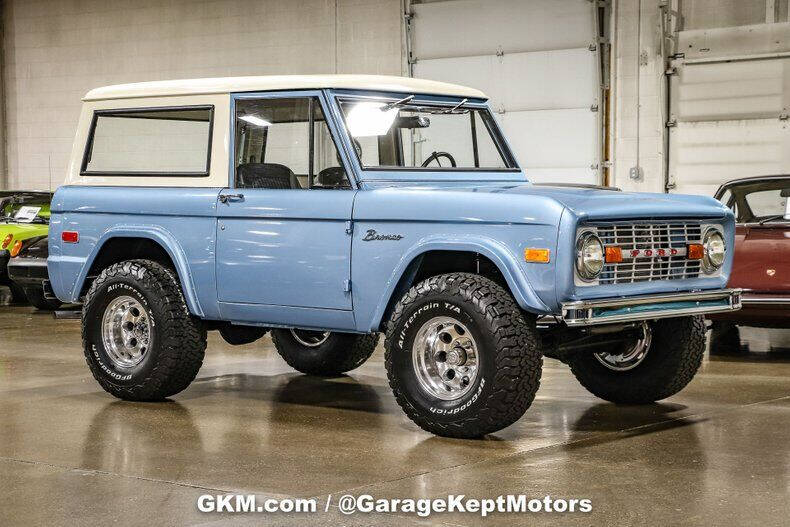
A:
224	198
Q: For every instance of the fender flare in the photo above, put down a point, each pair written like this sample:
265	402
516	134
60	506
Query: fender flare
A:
495	251
159	235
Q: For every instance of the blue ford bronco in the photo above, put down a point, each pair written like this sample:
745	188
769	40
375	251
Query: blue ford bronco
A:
330	209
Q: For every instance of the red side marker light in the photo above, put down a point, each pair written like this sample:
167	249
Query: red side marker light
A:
70	236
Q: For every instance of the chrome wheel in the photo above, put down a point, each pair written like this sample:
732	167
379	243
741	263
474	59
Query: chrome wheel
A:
631	355
311	339
445	358
126	332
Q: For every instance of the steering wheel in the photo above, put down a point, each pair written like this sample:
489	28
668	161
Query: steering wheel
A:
435	157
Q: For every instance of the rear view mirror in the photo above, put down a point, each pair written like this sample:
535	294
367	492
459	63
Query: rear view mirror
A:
412	121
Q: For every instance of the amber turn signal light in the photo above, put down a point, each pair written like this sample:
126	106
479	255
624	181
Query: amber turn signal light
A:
16	248
536	255
614	255
7	241
696	251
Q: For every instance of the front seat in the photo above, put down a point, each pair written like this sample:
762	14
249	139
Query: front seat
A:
266	175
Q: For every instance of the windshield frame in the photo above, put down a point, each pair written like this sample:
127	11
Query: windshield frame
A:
511	172
761	183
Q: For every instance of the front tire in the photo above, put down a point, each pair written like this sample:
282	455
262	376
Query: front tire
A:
323	353
462	359
140	341
661	369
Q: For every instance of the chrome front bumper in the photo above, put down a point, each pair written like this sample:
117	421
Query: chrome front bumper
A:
650	307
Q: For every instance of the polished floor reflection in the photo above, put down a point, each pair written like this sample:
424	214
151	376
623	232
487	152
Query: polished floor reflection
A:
718	453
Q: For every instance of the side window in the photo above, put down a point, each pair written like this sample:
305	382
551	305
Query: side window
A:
285	143
149	141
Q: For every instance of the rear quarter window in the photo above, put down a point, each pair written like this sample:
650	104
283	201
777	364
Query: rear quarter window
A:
150	141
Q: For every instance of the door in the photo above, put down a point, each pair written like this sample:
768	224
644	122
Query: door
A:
283	232
543	82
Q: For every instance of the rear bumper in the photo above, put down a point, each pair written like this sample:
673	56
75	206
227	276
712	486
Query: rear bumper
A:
650	307
28	271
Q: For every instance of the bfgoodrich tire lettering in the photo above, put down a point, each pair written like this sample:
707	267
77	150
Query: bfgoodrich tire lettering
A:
675	355
509	358
178	340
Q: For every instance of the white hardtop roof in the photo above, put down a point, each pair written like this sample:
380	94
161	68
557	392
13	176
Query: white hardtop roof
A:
280	82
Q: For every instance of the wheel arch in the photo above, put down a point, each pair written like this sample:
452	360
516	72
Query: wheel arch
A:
425	260
145	242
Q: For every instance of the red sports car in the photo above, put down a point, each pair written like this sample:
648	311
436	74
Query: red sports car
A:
762	258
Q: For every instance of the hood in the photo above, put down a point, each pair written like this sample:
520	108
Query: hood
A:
22	231
611	204
526	203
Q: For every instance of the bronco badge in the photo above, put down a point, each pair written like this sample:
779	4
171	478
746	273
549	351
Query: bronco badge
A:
372	235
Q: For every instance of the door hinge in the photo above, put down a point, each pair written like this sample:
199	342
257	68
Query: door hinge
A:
349	227
346	286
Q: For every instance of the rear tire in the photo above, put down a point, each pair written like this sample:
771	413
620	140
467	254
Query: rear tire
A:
18	295
241	335
672	359
140	341
323	353
35	295
435	329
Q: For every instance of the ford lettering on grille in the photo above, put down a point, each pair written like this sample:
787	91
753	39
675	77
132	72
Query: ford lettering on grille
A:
651	251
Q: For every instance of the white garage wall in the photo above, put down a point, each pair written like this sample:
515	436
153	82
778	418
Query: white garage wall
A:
56	50
532	58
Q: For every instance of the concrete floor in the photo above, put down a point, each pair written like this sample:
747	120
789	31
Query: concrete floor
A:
718	453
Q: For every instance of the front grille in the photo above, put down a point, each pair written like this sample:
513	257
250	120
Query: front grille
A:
666	241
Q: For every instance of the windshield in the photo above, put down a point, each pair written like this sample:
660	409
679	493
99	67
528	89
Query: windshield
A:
400	134
758	201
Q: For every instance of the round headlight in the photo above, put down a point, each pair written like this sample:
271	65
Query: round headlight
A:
589	255
713	241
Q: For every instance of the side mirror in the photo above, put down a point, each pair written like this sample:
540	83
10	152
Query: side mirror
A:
785	193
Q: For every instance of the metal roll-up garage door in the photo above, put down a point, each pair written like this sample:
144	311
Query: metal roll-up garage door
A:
535	61
729	106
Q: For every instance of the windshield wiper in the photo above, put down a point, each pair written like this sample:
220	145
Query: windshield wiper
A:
771	218
396	104
454	108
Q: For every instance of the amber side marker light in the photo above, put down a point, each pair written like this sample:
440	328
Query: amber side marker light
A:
696	251
16	248
614	255
537	255
7	241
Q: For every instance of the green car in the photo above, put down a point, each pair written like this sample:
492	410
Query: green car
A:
24	223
